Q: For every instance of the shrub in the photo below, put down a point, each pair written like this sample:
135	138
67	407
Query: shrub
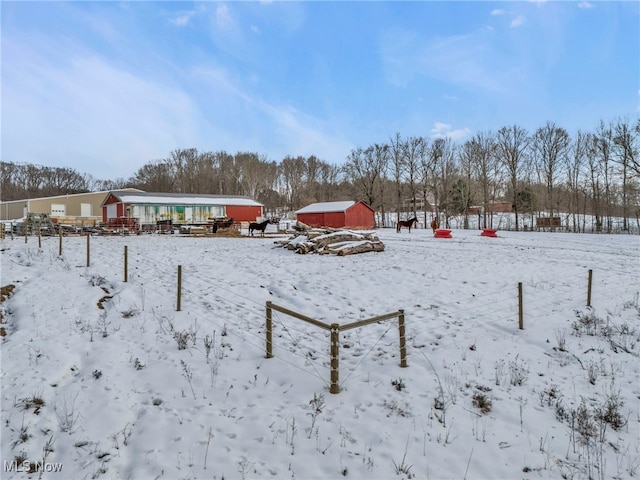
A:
398	384
482	403
518	372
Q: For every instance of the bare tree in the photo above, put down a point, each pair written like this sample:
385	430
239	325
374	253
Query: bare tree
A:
595	178
512	147
256	173
293	175
626	153
481	155
603	150
158	176
416	150
427	180
397	166
574	166
443	158
224	177
550	147
365	169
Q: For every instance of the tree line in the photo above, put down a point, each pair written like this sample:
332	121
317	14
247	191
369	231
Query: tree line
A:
546	171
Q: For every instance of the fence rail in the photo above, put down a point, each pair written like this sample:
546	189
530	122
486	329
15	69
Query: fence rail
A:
335	330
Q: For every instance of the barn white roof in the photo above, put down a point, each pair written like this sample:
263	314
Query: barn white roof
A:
148	198
327	207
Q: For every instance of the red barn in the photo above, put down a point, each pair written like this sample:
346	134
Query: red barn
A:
347	214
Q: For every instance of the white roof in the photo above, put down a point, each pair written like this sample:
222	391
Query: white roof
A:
159	199
327	207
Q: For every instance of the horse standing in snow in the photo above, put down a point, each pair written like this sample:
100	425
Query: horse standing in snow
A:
406	223
258	226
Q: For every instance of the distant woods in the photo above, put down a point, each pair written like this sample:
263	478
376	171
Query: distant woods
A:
545	171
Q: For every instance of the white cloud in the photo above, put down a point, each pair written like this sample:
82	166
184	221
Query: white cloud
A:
444	130
71	107
586	5
516	22
223	16
496	12
183	18
469	60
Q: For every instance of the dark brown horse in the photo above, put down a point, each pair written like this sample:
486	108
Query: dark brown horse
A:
258	226
406	223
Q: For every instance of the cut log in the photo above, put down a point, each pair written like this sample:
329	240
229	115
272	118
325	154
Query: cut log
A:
360	247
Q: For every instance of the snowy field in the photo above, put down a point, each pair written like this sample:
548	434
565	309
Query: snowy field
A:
103	378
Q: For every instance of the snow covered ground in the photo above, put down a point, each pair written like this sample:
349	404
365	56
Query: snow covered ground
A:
103	378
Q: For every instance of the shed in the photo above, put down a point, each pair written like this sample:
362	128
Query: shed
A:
178	208
346	214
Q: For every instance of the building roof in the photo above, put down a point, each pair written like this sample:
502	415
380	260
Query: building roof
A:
322	207
151	198
69	195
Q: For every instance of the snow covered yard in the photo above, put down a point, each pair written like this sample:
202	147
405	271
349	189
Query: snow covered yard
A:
103	378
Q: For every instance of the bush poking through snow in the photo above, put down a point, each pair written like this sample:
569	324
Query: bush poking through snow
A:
317	406
34	401
610	412
518	372
482	403
587	323
395	408
137	364
67	416
398	384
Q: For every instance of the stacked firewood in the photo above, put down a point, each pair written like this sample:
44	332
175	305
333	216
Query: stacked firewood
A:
331	241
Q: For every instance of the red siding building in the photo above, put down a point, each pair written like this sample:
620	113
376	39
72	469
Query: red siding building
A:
347	214
180	208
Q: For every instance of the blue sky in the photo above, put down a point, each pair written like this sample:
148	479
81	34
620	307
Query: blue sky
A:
106	87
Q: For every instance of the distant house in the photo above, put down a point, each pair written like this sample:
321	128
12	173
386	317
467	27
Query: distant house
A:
347	214
178	208
492	207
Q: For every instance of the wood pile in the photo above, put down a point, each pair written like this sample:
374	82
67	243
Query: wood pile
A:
331	241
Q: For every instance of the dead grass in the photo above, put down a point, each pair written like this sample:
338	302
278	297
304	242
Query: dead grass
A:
104	299
5	292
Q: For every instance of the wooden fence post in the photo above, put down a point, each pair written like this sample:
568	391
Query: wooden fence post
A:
335	352
403	347
520	314
60	249
269	331
179	302
589	288
88	249
39	238
126	264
